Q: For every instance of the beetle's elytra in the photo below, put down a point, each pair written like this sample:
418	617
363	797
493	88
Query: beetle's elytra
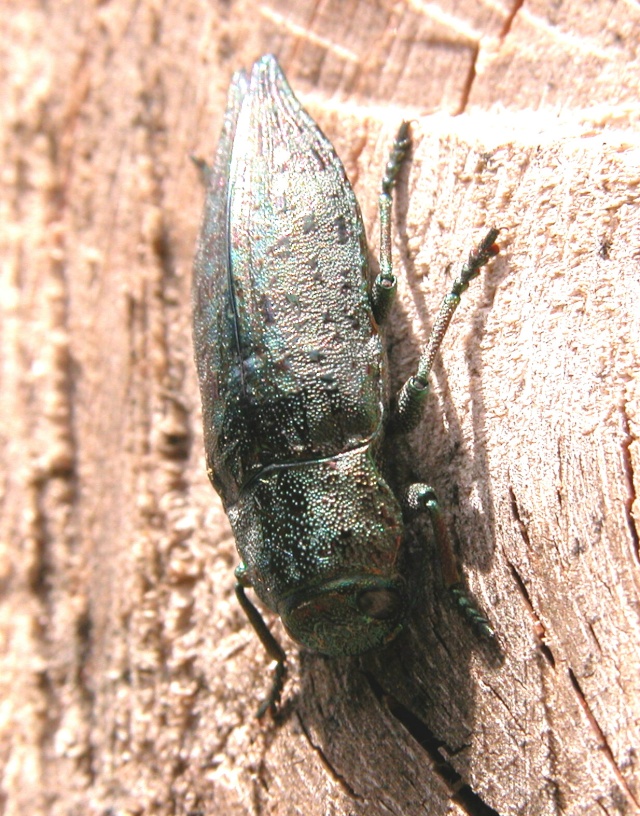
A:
293	379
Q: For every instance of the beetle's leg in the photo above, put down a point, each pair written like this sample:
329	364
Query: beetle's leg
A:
413	393
384	287
418	499
205	170
271	645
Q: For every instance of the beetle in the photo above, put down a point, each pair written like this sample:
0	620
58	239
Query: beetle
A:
294	382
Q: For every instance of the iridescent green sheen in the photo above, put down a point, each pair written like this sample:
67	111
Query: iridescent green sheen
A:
293	376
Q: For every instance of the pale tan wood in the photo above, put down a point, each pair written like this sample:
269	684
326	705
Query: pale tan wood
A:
128	675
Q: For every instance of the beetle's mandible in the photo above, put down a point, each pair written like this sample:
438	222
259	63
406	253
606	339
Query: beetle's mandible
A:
293	379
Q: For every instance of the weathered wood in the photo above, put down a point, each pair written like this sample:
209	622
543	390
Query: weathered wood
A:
128	675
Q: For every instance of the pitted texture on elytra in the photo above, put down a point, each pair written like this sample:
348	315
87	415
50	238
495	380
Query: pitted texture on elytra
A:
291	363
293	380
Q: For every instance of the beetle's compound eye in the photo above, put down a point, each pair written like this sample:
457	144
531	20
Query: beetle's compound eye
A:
381	604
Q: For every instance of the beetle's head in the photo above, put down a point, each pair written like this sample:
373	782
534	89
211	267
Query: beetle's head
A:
346	616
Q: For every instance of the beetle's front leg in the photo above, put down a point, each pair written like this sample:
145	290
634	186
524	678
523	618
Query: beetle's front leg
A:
384	287
421	498
413	393
271	645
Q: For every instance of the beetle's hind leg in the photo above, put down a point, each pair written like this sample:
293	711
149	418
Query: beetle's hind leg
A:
421	498
384	286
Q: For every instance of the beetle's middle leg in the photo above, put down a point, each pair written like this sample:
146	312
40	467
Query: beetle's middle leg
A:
418	499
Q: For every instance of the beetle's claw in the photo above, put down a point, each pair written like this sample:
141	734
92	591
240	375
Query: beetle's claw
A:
271	701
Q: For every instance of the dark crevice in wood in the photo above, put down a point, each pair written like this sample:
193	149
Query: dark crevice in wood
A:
595	637
85	641
461	793
601	738
469	80
518	519
629	474
539	628
335	775
506	28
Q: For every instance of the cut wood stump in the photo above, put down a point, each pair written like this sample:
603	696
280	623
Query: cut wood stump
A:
129	677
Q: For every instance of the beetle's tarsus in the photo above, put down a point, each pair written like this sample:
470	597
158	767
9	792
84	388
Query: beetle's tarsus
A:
478	257
401	145
471	613
272	701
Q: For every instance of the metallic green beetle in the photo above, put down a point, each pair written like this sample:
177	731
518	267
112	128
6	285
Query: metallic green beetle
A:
294	383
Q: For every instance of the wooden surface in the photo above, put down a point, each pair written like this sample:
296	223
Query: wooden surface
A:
128	674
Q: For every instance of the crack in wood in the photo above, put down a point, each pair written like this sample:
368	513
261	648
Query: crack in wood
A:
461	792
602	739
629	479
333	772
508	23
468	82
515	510
539	628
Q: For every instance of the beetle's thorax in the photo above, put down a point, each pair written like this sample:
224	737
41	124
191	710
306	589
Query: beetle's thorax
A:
322	533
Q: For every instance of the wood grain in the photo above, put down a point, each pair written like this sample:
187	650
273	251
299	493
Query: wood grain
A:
128	675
